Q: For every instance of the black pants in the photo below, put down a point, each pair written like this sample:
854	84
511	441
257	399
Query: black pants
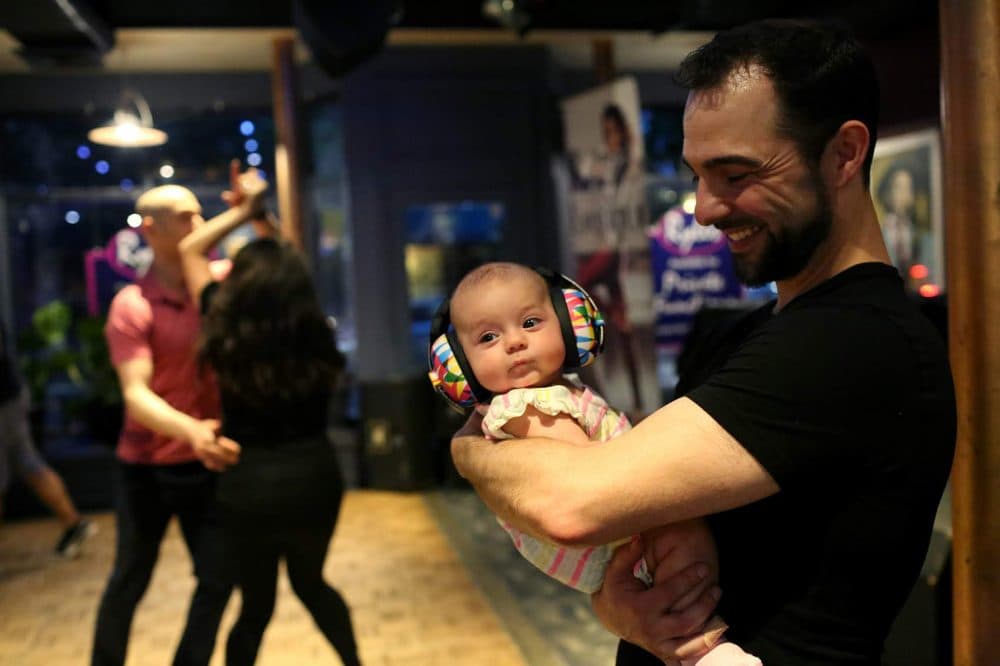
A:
280	502
148	496
304	550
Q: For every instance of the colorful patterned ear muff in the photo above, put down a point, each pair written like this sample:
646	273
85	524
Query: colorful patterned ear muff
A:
580	322
449	371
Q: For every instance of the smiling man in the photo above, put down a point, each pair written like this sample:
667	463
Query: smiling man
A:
819	437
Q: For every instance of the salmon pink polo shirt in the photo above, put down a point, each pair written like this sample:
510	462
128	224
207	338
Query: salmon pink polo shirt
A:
148	320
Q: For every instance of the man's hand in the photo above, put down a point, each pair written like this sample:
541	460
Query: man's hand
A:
473	428
657	618
215	452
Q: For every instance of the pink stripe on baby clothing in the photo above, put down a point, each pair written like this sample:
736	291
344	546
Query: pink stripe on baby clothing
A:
554	567
584	557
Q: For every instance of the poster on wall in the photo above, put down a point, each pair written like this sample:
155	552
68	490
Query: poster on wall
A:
107	269
127	257
906	188
691	264
607	231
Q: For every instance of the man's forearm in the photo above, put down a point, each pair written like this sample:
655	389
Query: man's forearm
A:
676	464
156	413
527	483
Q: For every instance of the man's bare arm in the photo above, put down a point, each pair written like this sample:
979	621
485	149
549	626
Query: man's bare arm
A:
158	415
676	464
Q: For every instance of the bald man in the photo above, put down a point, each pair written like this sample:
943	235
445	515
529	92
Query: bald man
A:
168	453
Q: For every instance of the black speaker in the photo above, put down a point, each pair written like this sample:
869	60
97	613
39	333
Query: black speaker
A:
397	418
342	34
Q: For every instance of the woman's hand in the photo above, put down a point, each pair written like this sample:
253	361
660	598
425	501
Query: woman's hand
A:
246	189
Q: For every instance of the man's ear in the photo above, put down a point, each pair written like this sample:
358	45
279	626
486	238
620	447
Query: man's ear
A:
846	152
148	226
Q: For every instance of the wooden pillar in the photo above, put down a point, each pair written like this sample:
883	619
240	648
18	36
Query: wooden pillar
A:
284	95
603	51
970	118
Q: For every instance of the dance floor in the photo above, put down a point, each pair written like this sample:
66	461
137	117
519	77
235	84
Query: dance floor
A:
412	599
431	579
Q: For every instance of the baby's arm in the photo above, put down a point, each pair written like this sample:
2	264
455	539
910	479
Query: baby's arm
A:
534	423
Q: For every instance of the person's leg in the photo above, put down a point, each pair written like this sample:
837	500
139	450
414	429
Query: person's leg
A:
193	497
41	478
258	578
52	491
305	553
141	521
8	419
202	624
29	464
4	475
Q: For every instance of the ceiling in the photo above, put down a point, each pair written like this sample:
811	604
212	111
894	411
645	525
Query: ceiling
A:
197	35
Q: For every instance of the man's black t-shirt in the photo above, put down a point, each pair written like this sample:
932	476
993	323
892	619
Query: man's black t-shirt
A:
846	398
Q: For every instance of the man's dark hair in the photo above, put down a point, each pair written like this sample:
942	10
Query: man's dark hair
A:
822	75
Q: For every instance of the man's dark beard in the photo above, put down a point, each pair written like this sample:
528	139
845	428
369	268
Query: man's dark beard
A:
786	255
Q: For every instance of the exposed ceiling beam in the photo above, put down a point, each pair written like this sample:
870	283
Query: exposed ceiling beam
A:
57	32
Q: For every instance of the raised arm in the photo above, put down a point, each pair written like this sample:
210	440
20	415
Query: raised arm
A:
676	464
195	246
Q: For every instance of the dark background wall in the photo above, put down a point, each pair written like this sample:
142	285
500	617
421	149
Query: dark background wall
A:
428	124
424	125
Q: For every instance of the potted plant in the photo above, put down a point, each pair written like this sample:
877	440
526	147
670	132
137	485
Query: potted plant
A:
100	405
53	348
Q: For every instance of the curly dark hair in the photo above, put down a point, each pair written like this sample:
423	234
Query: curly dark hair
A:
264	333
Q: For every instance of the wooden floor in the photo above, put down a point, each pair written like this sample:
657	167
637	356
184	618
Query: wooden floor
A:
411	600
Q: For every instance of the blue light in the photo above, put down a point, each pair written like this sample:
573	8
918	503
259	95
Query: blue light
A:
253	159
251	145
102	167
262	174
246	128
72	217
83	152
127	184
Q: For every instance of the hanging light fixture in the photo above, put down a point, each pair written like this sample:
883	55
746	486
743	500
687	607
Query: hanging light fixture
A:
129	129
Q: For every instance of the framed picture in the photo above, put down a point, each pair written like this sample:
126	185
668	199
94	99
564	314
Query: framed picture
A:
906	188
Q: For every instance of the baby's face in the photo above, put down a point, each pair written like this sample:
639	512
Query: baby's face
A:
510	333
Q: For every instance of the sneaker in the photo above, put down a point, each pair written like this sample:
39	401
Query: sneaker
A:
71	540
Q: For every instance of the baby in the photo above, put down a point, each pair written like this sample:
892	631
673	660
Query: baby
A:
503	344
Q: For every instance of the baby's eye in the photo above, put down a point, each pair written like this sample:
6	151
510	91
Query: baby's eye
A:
487	337
736	177
531	322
